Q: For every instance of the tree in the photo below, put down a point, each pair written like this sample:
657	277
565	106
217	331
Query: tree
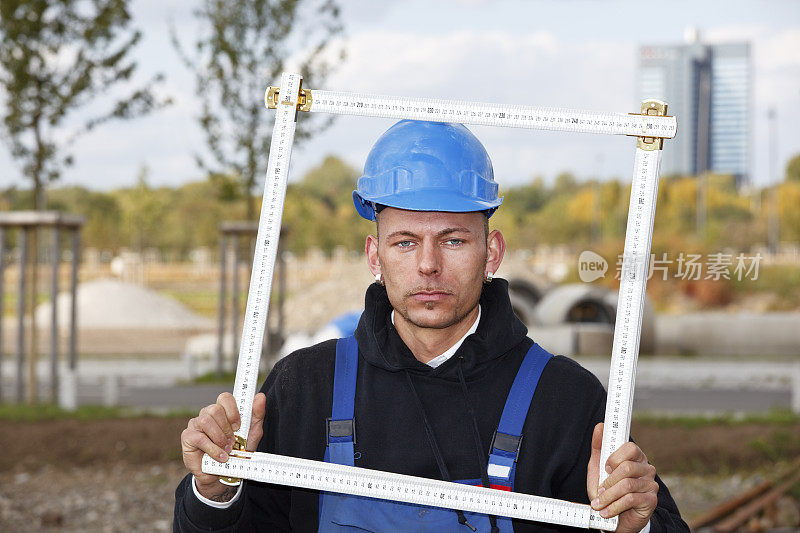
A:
319	209
244	49
144	212
332	182
565	184
58	56
793	169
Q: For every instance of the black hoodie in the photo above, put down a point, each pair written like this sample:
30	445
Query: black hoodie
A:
568	403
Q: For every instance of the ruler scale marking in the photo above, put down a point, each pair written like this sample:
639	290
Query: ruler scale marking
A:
630	305
266	249
514	116
315	475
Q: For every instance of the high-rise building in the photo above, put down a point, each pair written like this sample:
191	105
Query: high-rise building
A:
708	88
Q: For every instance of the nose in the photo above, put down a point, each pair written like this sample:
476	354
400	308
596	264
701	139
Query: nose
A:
429	259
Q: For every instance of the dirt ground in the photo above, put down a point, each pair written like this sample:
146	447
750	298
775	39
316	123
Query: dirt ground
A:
120	474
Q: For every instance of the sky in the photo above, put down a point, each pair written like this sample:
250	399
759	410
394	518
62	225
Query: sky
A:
569	53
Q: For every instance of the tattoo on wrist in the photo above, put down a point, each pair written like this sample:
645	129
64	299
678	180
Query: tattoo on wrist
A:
225	496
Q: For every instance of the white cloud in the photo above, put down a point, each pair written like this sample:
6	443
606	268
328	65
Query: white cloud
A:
491	66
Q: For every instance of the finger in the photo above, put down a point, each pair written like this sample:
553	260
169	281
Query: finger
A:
257	421
206	423
221	418
593	469
259	409
620	489
629	469
643	503
228	403
627	452
193	441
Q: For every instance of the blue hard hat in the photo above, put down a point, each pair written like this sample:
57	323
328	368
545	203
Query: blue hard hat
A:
427	166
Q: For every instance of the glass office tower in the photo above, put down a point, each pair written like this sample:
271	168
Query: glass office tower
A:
708	88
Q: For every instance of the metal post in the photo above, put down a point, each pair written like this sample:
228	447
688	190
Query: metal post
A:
2	297
76	257
796	389
23	262
235	306
223	260
32	390
54	316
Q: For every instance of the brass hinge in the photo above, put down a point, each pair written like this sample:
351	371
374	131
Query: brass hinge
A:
651	108
238	444
303	101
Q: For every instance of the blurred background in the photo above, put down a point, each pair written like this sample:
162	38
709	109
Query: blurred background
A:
134	144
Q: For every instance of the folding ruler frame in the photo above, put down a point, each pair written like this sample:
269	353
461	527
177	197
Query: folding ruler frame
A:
650	127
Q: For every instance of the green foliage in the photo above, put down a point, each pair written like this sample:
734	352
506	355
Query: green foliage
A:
776	445
59	56
775	417
319	213
793	169
169	219
103	214
319	210
37	413
565	184
241	51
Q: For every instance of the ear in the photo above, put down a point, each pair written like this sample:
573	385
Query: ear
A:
495	250
371	250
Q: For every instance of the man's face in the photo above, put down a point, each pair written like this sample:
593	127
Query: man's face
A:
433	263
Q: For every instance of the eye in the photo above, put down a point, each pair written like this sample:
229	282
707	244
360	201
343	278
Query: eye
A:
454	242
404	244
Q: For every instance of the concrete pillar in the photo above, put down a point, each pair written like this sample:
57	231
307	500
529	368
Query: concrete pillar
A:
68	390
54	316
111	386
223	260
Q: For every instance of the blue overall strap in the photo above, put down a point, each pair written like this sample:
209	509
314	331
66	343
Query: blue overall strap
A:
341	425
508	437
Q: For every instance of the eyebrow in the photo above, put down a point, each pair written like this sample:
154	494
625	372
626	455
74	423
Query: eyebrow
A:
446	231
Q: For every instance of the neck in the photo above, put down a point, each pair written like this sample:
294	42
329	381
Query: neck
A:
428	343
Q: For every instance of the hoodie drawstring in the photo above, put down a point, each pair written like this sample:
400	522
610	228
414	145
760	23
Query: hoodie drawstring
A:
478	444
436	451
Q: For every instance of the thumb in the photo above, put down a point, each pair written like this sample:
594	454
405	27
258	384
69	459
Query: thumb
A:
257	421
593	470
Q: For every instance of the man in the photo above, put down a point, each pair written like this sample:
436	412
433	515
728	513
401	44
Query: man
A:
443	381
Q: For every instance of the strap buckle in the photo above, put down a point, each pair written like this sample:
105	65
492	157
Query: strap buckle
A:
507	443
339	428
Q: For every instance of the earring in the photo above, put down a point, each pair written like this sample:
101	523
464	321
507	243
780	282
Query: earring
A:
378	279
489	277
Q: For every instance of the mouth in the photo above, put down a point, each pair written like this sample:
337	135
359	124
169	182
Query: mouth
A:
430	296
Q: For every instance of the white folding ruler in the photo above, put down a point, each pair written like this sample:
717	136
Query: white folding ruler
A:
651	127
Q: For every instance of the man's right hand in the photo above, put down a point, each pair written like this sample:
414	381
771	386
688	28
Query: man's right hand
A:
212	432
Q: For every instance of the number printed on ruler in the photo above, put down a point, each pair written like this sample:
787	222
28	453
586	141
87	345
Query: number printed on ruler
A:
316	475
627	331
513	116
266	251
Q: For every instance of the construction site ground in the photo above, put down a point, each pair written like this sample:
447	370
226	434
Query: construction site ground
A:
119	474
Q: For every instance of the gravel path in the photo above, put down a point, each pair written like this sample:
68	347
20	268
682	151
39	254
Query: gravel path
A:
140	498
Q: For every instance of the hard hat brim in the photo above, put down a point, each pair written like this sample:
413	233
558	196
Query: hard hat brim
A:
425	200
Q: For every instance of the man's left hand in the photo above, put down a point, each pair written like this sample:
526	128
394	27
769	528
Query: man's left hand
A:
629	491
